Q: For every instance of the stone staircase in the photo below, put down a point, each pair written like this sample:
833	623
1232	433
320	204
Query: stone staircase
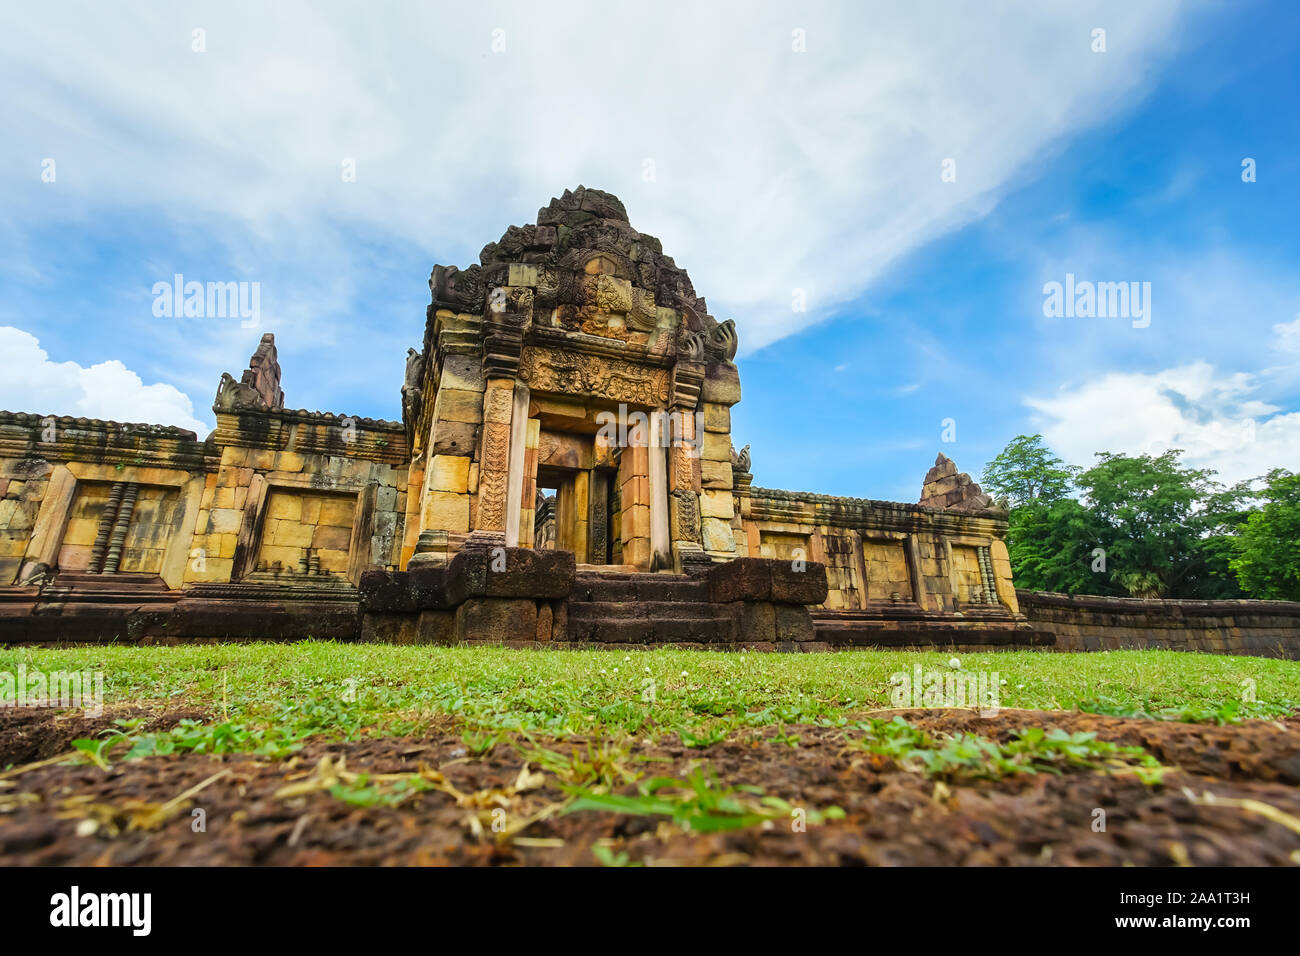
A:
621	607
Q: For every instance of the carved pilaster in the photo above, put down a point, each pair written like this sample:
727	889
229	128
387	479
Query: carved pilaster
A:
113	557
106	521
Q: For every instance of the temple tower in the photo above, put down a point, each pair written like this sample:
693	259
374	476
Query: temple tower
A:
576	359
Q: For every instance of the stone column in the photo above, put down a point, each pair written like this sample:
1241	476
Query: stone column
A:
580	516
657	461
528	495
515	478
634	499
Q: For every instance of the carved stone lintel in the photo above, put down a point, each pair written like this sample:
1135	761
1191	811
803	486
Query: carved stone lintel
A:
547	369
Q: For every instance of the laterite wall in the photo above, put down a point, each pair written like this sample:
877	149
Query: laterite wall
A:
1088	623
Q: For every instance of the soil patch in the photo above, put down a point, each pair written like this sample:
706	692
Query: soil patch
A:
490	809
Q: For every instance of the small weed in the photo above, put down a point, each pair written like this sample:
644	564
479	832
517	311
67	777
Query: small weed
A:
607	857
699	803
969	756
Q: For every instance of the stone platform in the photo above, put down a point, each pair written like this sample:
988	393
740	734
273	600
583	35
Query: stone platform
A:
517	597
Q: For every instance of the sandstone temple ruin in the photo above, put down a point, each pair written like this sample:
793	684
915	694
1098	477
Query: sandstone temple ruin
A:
564	471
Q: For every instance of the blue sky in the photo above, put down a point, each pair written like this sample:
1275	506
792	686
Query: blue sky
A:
774	170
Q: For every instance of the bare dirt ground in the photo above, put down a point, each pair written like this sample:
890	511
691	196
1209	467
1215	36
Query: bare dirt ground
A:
331	804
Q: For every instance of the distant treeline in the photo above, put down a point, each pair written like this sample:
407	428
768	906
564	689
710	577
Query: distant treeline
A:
1146	526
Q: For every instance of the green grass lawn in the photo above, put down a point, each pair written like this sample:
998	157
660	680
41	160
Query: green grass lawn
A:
267	695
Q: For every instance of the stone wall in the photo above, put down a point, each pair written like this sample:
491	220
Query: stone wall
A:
298	496
884	553
89	495
1088	623
272	497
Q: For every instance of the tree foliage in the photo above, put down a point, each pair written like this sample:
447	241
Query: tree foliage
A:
1266	552
1026	473
1143	526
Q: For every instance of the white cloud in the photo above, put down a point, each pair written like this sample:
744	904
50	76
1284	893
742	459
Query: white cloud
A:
1218	419
107	390
1288	335
773	170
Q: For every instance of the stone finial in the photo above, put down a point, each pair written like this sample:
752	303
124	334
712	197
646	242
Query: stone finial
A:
263	373
258	388
947	489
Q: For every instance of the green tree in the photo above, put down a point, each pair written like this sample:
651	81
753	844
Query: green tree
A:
1026	472
1158	522
1266	553
1051	545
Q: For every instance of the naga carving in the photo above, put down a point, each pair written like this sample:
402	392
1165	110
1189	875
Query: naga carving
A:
740	459
235	396
412	392
722	341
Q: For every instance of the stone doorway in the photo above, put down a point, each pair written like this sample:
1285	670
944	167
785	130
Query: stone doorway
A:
576	513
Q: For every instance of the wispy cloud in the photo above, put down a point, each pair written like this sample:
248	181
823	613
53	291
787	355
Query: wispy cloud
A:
764	167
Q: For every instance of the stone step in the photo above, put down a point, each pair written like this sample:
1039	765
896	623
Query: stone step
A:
639	587
666	610
607	630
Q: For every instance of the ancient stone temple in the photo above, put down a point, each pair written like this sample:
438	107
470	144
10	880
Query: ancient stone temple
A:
564	471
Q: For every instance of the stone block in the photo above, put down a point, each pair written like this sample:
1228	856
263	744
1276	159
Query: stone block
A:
510	573
716	474
331	537
284	506
436	627
495	620
459	405
794	623
792	586
717	418
636	521
224	521
717	504
289	461
389	628
337	511
744	579
449	473
717	535
637	552
455	438
716	447
446	511
754	620
721	384
463	373
521	274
